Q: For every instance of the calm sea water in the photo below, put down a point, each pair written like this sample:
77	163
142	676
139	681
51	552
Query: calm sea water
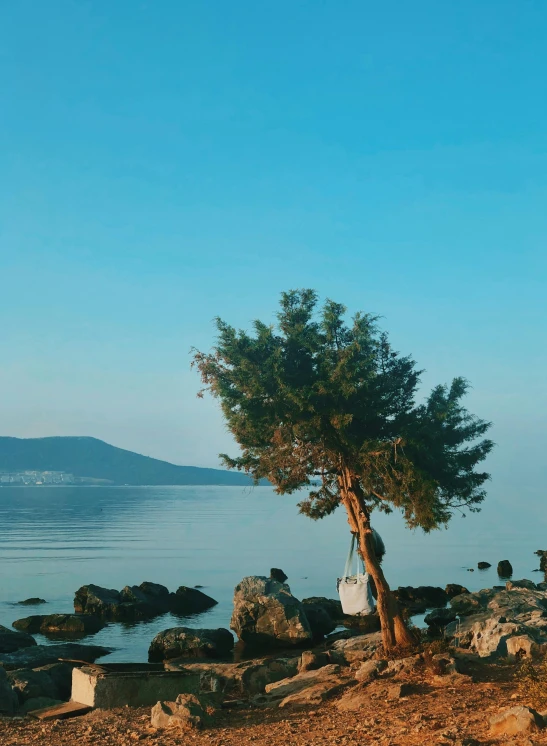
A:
54	540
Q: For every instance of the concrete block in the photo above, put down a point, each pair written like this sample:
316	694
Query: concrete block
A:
137	685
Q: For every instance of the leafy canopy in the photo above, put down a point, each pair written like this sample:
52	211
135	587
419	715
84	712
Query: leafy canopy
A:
315	397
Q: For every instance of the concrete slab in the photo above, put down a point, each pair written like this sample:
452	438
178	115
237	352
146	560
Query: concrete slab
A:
135	684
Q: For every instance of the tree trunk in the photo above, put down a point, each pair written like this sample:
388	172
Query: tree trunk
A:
394	630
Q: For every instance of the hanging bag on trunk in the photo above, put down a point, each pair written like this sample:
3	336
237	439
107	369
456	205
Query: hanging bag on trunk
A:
354	589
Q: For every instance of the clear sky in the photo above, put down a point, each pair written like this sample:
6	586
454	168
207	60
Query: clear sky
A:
164	161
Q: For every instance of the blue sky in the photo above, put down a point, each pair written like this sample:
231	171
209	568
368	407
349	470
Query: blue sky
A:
166	162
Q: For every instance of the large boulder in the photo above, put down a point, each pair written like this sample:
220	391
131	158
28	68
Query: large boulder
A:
61	675
418	600
42	655
191	643
8	698
11	641
136	602
309	687
60	624
266	614
501	621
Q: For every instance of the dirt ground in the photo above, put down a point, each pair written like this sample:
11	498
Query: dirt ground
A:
436	712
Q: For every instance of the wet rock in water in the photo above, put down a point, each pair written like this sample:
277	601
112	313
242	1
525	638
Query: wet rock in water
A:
42	655
184	642
267	615
454	589
542	554
484	565
277	574
505	569
439	618
11	641
8	698
143	601
187	712
188	601
29	684
66	624
32	602
418	600
516	720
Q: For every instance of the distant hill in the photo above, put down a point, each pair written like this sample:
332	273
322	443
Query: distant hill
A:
95	459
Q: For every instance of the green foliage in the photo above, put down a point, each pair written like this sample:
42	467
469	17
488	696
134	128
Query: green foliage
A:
315	395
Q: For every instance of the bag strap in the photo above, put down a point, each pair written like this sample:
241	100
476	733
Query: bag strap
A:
349	560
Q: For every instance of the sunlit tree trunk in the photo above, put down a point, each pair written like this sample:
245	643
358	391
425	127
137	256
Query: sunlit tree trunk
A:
394	630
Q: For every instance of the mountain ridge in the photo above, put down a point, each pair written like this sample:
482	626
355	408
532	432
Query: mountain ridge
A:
92	458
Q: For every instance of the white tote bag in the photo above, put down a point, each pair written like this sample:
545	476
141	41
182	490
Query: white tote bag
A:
354	589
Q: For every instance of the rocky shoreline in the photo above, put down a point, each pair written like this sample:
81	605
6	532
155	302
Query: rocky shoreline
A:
293	657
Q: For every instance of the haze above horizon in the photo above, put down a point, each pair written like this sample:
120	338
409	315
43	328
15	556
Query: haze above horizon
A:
164	163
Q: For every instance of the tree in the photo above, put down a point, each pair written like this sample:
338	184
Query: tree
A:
318	403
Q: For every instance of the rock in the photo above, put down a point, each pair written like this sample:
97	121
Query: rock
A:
358	648
8	698
542	554
317	693
444	664
332	606
418	600
465	604
143	601
522	646
515	720
398	691
369	670
29	684
399	665
365	624
266	614
310	661
61	675
42	655
245	679
11	641
38	703
309	687
277	574
319	619
186	712
489	637
511	585
505	569
191	643
32	602
65	624
439	618
484	565
453	589
189	601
